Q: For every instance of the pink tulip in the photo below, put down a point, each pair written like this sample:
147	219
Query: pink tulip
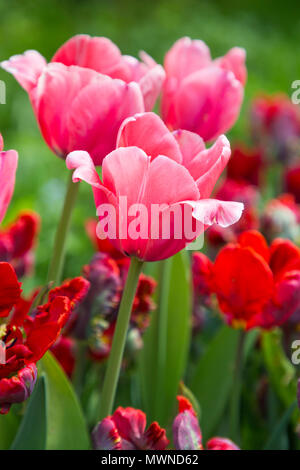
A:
102	55
8	168
151	166
81	97
78	108
200	94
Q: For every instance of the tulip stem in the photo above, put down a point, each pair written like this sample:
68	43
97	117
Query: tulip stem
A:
58	255
116	354
235	404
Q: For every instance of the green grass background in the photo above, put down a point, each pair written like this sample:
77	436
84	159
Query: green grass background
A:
269	31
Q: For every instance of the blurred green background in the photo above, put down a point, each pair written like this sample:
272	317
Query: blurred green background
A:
269	32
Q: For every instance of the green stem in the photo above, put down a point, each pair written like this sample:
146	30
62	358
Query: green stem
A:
235	405
161	331
118	345
58	255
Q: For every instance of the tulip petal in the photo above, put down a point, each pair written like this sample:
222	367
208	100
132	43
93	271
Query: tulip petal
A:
255	240
10	290
8	168
185	57
234	60
148	132
212	211
97	53
190	145
235	271
84	167
105	436
26	68
207	102
57	87
151	84
98	111
206	165
18	388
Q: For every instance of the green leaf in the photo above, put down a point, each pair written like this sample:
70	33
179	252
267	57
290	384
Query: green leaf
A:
32	431
280	429
66	427
53	419
281	371
8	428
166	342
213	377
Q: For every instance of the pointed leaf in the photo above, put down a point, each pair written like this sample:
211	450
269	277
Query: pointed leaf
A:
66	427
213	378
32	431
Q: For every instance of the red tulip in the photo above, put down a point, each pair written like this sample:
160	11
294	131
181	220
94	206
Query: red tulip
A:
27	338
8	168
200	94
126	430
155	170
257	286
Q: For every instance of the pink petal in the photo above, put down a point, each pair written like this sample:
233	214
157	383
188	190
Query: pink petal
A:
97	113
207	102
97	53
148	132
8	168
207	166
26	68
190	145
212	211
84	167
57	88
169	182
128	172
151	85
80	109
186	432
234	60
105	436
185	57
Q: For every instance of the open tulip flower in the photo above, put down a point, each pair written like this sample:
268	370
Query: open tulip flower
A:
81	97
256	285
152	167
27	338
200	94
126	430
8	168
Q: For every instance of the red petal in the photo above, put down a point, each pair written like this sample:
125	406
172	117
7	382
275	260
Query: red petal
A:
10	289
256	241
